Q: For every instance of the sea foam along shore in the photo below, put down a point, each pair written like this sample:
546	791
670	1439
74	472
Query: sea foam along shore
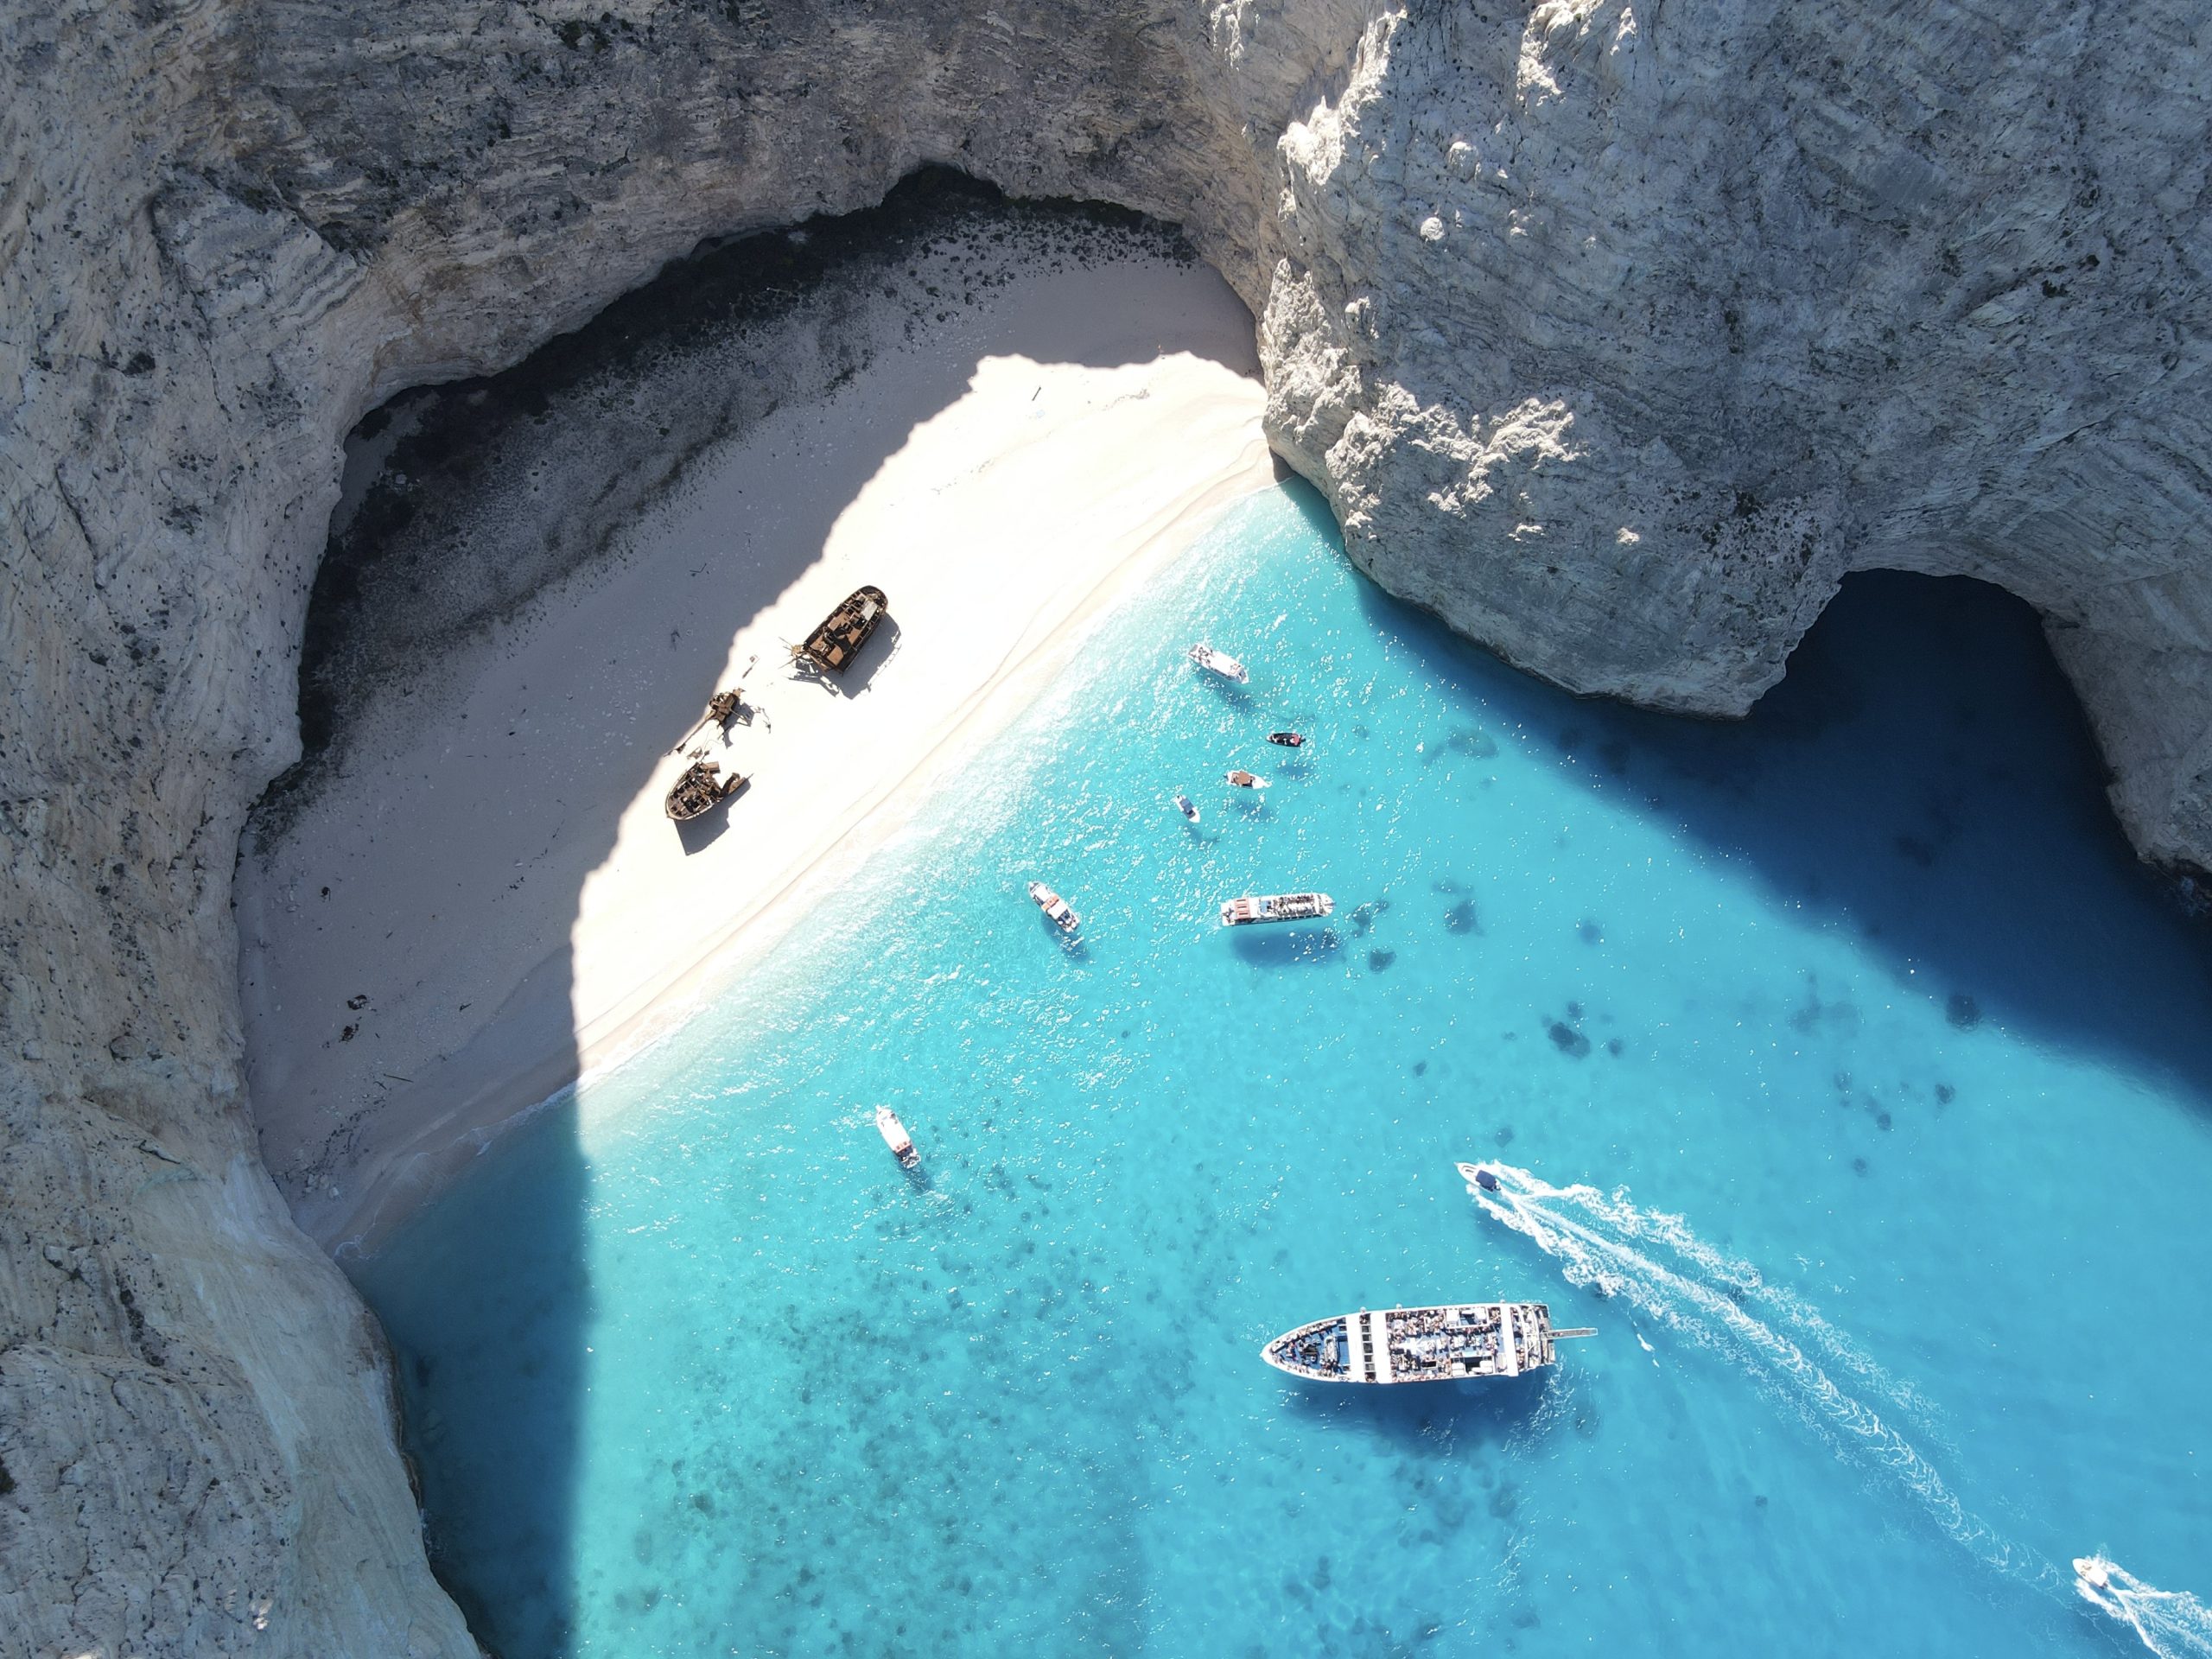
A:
485	899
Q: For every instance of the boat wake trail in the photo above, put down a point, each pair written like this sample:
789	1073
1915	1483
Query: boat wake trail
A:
1682	1283
2172	1624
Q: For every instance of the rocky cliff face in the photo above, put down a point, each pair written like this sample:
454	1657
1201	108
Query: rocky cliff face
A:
1615	333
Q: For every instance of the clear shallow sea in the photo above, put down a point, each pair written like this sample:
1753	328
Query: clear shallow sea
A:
1866	991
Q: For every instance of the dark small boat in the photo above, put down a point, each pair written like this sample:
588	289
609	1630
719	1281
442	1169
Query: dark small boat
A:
844	631
699	788
1288	740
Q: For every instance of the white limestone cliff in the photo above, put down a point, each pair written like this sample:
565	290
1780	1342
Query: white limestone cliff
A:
1616	335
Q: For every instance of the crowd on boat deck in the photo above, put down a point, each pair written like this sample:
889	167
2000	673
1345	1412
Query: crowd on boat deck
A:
1322	1350
1434	1340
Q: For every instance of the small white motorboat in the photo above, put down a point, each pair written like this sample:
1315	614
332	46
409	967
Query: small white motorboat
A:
1243	779
1183	804
895	1136
1219	662
1055	907
1276	907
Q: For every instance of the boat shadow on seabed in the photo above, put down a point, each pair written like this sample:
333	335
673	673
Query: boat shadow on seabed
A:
1281	947
1071	944
1474	1412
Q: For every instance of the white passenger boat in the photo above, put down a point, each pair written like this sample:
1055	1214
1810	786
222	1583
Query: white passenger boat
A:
895	1136
1240	778
1055	907
1421	1344
1219	662
1182	805
1276	907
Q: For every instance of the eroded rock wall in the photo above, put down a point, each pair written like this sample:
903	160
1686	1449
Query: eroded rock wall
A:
1614	334
1617	333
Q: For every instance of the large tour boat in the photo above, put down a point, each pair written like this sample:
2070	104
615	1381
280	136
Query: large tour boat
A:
1421	1344
1276	907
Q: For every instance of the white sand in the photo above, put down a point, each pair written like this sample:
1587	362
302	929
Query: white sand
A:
504	888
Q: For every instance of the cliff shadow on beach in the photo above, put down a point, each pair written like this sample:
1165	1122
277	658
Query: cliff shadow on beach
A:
471	512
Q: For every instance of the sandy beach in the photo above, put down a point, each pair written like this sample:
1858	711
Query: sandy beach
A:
486	900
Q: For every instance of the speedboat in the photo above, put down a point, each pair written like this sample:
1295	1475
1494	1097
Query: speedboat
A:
1055	907
895	1136
1219	662
1184	805
1421	1344
1288	740
1244	780
1276	907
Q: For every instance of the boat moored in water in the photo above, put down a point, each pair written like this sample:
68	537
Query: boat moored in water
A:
1055	907
1288	740
844	631
1219	662
895	1136
1182	805
1421	1344
1276	907
1242	779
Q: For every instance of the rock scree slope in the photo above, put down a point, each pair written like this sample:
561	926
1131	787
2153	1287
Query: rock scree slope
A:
1614	334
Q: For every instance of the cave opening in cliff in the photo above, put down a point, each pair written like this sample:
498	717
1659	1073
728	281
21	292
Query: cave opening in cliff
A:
466	890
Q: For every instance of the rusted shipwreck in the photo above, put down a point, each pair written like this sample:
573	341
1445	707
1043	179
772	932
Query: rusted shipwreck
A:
834	644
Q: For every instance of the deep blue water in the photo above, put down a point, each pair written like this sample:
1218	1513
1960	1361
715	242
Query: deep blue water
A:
1902	1064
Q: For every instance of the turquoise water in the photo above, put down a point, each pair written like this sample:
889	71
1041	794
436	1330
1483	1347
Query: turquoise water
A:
1903	1066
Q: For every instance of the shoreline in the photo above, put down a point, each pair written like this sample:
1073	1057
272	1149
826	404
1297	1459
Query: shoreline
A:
1101	417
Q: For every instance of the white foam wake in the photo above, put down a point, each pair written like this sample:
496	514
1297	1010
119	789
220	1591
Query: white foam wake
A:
1743	1284
2173	1624
1655	1262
